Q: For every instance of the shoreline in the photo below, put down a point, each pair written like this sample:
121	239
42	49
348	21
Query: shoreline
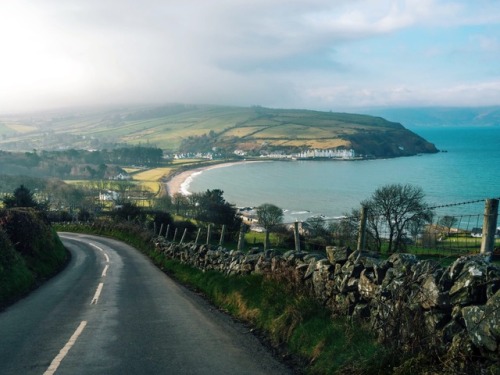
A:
174	184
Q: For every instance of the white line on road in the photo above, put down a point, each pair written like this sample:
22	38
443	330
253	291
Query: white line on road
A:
105	270
62	353
101	250
97	294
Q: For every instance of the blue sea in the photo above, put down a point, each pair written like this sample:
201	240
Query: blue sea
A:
467	169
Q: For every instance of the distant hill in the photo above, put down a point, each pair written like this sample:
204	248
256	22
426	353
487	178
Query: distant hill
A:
176	127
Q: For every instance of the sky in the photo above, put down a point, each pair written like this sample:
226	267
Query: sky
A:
310	54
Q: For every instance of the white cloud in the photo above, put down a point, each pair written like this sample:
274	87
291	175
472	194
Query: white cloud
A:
479	94
269	52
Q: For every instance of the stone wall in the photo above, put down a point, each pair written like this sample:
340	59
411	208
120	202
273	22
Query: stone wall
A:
453	312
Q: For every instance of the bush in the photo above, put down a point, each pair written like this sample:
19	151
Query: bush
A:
34	240
15	277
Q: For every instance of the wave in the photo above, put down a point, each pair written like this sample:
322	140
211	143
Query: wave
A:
187	183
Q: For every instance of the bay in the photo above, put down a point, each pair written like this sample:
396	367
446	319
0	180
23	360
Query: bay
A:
469	170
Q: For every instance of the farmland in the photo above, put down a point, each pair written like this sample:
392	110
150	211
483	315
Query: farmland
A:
168	127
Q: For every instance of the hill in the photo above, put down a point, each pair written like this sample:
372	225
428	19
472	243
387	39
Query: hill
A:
179	127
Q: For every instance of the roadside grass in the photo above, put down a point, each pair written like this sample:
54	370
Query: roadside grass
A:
298	324
303	330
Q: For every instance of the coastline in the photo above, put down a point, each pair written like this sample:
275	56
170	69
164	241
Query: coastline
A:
175	183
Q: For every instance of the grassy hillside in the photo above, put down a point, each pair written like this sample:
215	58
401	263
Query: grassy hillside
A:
30	252
240	127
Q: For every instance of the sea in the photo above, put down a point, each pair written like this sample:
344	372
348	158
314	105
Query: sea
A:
457	180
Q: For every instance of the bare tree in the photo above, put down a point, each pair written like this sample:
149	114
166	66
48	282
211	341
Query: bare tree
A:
448	222
269	216
392	208
315	226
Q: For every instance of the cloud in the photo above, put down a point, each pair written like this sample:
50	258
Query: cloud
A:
474	94
269	52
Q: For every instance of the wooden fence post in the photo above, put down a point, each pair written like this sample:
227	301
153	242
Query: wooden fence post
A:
175	235
183	236
161	230
197	237
296	235
241	238
168	230
209	229
223	231
362	229
489	226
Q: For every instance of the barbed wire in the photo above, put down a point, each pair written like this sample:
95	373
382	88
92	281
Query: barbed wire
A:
431	208
459	204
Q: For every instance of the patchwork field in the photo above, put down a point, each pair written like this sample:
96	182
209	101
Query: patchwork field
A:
168	126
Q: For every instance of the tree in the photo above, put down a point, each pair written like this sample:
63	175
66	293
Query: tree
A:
345	231
315	226
391	209
162	218
181	203
22	197
129	212
447	222
211	207
163	203
269	217
317	233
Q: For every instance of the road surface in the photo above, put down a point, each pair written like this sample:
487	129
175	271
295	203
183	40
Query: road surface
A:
111	311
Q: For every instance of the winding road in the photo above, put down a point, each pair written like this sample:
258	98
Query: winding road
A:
111	311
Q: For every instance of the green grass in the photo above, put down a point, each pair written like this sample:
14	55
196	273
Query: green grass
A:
326	345
167	126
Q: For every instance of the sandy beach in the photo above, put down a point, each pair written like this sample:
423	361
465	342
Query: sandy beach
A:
176	182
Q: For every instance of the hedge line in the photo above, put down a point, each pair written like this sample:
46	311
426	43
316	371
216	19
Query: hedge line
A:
30	252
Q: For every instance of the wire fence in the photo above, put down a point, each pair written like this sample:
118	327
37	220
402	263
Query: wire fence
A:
444	235
435	238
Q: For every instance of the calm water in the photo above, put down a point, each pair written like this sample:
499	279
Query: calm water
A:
469	170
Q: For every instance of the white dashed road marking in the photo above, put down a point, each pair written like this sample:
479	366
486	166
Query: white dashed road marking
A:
62	353
97	294
104	271
101	250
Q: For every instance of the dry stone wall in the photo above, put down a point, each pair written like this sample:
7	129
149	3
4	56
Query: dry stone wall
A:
453	311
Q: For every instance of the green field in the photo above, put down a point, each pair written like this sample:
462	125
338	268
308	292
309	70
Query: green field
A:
167	126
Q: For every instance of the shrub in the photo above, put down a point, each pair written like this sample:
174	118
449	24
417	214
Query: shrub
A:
15	278
34	240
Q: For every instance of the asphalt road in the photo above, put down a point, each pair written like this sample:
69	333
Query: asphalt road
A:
111	311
